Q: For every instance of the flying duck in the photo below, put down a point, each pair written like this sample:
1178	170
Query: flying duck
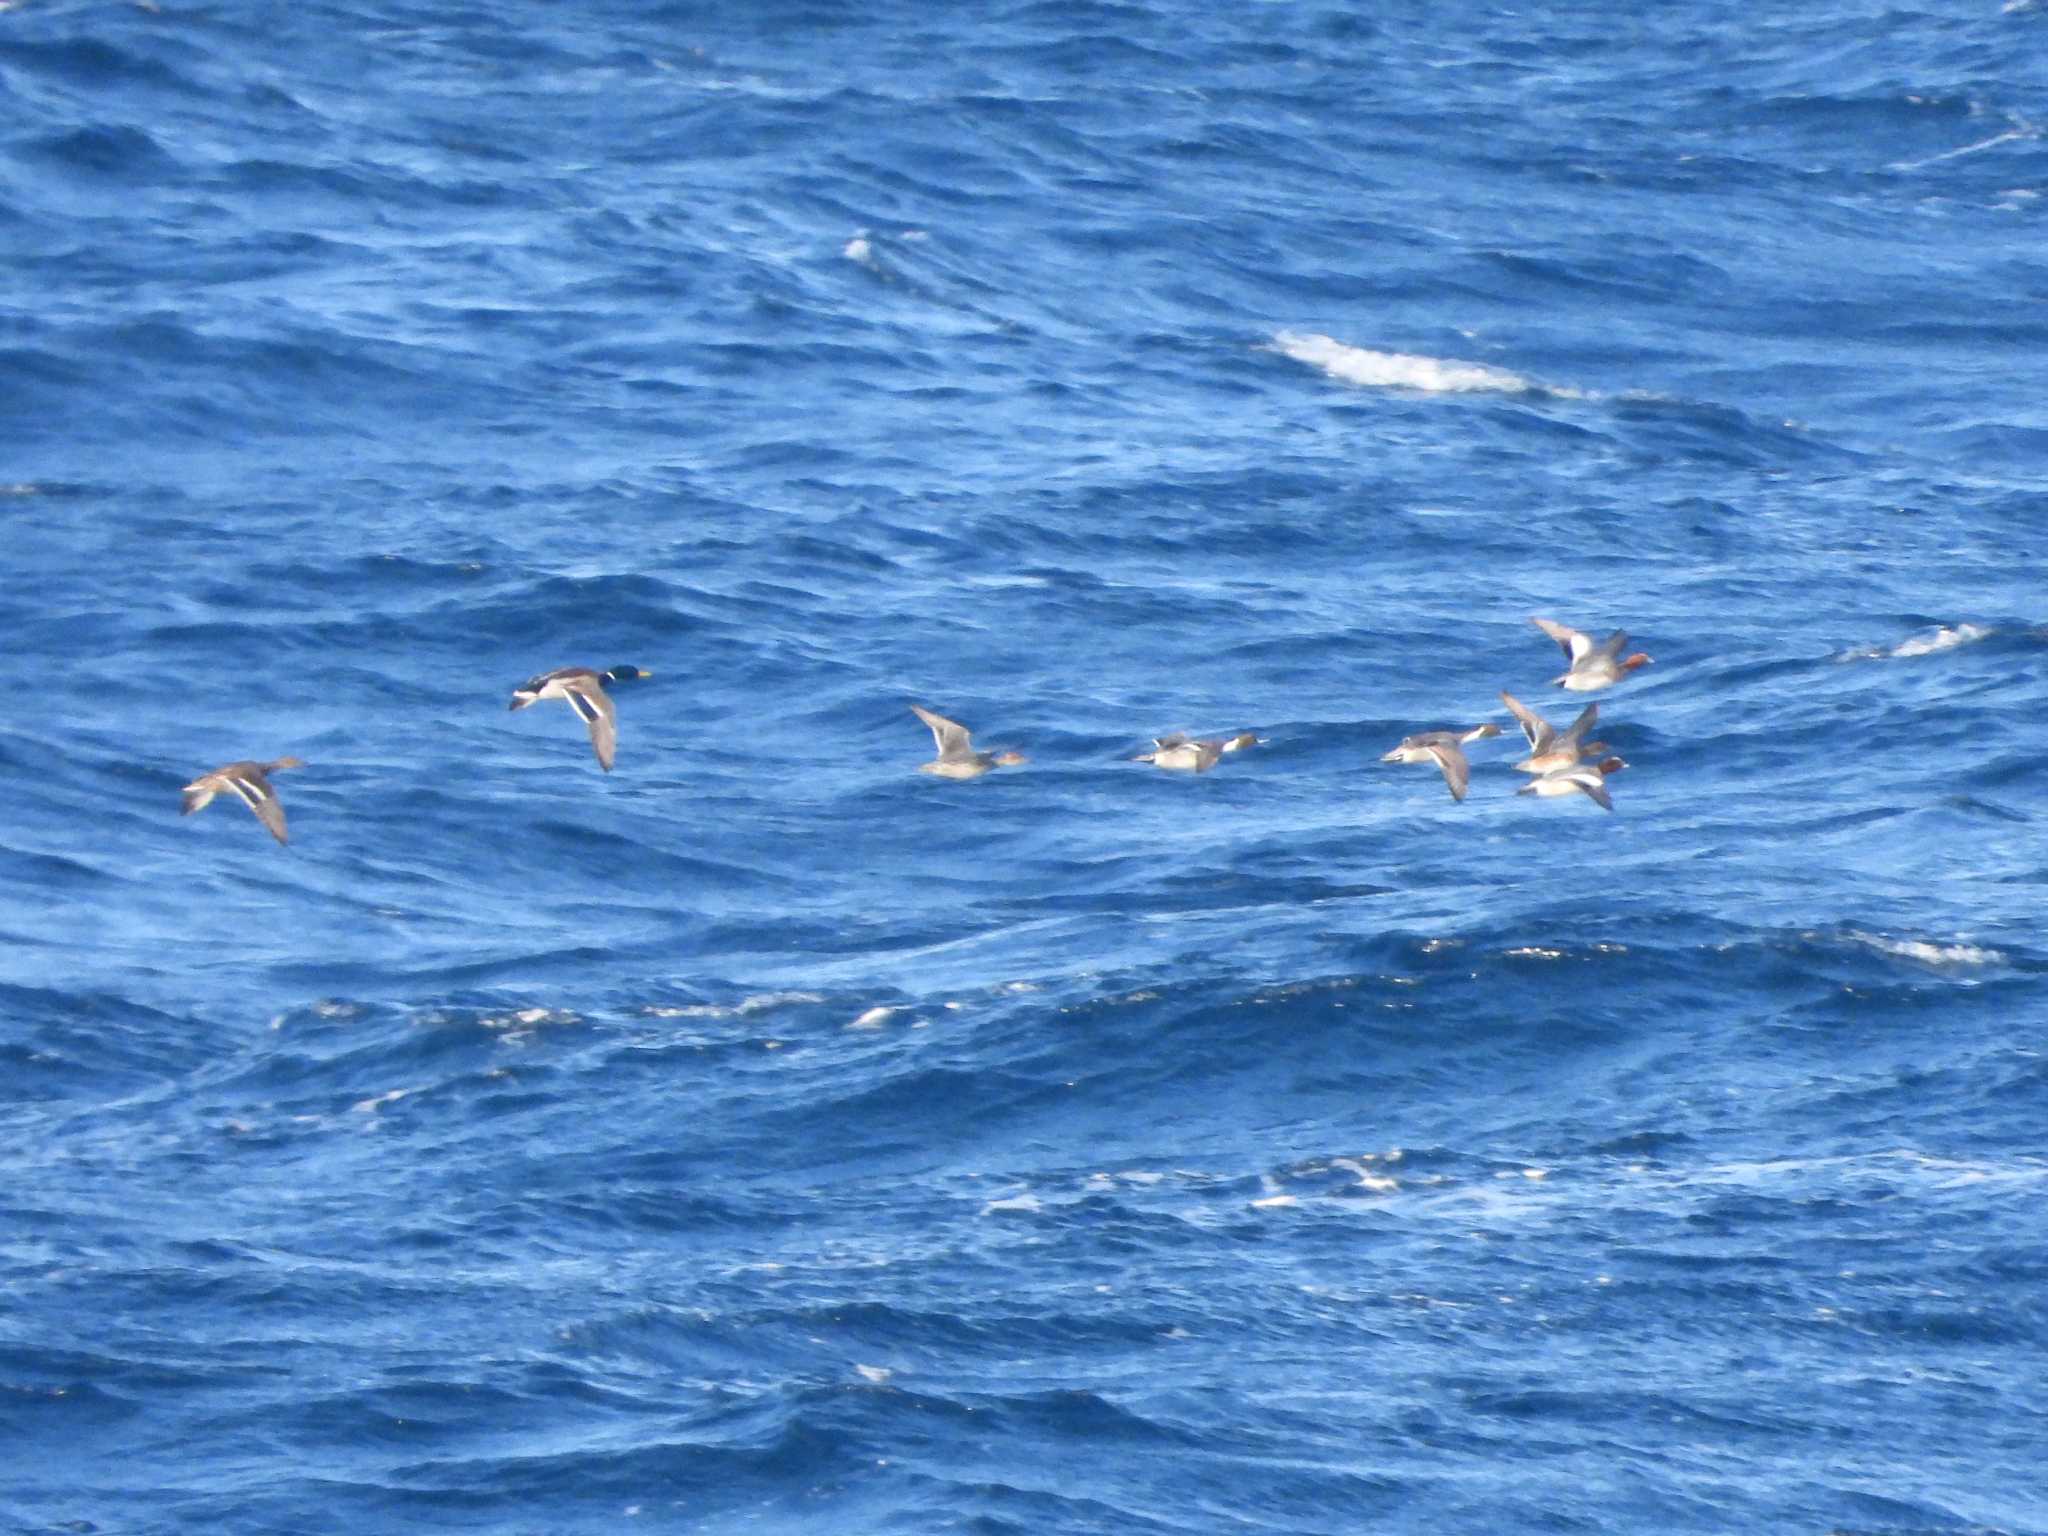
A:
1549	750
1181	754
1588	779
957	758
584	691
248	782
1444	748
1593	664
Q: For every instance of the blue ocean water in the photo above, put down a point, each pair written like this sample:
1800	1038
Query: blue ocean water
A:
766	1136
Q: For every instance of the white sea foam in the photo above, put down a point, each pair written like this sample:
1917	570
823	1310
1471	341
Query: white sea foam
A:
874	1373
874	1018
1024	1202
1917	1170
859	250
1941	640
1945	637
528	1018
2021	130
758	1002
1378	1183
1928	953
1397	370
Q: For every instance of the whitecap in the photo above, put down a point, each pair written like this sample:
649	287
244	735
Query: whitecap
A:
1942	639
1397	370
528	1018
874	1018
1928	952
1945	637
1378	1183
858	249
760	1001
2021	132
755	1002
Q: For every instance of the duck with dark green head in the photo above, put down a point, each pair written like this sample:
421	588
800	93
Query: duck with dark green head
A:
583	689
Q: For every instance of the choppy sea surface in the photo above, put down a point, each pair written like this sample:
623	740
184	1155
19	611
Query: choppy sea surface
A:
766	1136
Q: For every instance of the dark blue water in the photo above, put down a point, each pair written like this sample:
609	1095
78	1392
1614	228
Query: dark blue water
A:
766	1136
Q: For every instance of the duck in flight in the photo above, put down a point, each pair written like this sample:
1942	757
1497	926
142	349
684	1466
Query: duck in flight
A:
957	758
1181	754
247	782
1446	750
1594	664
583	689
1588	779
1550	749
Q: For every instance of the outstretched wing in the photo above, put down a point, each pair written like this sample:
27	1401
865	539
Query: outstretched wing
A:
595	710
1580	726
1575	643
950	736
255	792
1457	771
1534	726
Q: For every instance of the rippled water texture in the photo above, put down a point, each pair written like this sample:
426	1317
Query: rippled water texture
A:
767	1136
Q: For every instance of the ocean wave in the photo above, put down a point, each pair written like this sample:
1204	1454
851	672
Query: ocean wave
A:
1400	370
766	1133
1929	952
1944	637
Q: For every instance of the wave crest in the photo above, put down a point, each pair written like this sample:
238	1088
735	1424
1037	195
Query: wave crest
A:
1397	370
